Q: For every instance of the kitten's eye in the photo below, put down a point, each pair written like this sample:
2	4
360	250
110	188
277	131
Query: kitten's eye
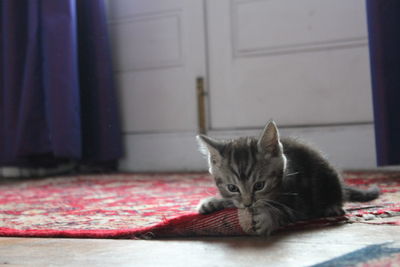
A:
233	188
258	186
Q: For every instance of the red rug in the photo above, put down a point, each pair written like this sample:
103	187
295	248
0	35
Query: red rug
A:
146	206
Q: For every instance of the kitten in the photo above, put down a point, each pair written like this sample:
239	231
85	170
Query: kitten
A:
279	181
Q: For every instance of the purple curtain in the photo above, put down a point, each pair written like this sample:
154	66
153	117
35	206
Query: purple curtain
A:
57	95
384	40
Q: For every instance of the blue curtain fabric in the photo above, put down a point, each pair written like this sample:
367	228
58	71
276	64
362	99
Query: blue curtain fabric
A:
384	40
57	95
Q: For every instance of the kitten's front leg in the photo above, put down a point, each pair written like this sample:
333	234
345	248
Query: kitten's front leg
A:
213	204
264	221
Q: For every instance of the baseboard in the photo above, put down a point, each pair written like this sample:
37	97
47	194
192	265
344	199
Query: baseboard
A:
23	172
347	147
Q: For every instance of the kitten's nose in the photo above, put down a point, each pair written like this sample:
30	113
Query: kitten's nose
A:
247	205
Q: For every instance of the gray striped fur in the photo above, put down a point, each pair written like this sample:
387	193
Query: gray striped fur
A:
278	180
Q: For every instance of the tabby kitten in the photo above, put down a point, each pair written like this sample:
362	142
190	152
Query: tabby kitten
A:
279	181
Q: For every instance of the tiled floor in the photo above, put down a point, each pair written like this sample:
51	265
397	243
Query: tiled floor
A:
294	248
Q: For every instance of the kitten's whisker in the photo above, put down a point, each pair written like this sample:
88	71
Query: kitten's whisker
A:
208	192
271	205
291	174
270	201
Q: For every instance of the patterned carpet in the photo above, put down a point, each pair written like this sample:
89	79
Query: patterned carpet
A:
385	209
131	205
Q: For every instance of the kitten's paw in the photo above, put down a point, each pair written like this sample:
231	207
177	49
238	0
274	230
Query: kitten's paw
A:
260	225
210	205
263	224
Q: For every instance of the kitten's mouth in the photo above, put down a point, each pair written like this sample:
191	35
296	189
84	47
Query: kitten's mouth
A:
242	206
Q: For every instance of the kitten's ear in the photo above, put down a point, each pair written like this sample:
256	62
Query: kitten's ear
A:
211	148
269	141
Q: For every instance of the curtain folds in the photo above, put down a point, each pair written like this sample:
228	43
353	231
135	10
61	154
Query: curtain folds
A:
57	95
384	41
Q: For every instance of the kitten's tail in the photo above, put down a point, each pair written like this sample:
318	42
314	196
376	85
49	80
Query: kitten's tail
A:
358	195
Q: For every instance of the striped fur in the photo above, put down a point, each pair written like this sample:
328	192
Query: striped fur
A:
278	180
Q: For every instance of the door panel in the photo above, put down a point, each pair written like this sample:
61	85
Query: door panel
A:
159	51
298	62
264	27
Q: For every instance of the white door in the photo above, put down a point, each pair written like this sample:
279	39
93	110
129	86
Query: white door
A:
300	62
304	63
159	52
